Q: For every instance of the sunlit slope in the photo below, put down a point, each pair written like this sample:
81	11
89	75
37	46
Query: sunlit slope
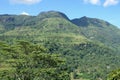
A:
99	30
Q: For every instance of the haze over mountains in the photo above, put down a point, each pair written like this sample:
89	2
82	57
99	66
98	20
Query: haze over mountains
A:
90	45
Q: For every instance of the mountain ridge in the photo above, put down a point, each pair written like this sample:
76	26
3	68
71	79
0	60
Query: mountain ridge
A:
55	21
52	13
85	21
95	42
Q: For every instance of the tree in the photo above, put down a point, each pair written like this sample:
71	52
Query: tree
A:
114	75
33	62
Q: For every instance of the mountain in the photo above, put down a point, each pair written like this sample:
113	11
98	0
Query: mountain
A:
51	14
99	30
35	27
86	21
11	21
83	42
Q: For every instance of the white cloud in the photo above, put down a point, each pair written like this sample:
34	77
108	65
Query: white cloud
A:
24	13
25	1
94	2
110	2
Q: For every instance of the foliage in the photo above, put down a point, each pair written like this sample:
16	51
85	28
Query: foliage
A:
30	62
114	75
87	47
99	30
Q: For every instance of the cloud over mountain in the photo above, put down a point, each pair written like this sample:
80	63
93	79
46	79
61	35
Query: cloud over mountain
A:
24	13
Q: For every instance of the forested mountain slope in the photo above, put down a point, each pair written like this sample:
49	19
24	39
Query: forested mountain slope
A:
89	45
99	30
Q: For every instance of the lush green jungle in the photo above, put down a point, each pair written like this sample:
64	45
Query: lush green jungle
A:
50	46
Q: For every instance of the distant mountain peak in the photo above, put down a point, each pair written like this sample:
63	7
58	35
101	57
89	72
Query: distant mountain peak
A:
84	17
86	21
83	21
52	14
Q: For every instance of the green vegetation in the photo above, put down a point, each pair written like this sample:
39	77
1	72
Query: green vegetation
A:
114	75
99	30
50	46
26	61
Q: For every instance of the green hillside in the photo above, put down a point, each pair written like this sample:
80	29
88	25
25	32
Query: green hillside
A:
52	14
88	46
99	30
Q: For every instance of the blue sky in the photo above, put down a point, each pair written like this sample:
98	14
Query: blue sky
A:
108	10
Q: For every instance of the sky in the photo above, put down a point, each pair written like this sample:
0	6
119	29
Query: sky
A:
108	10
